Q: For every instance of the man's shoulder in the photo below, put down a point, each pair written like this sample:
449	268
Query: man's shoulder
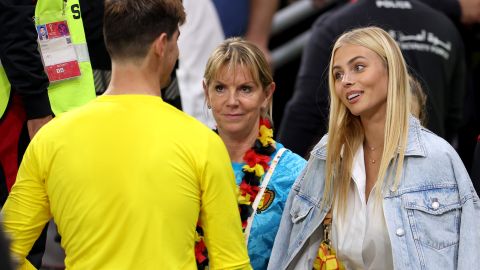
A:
66	123
192	126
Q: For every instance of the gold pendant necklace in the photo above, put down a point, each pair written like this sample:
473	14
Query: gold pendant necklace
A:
372	149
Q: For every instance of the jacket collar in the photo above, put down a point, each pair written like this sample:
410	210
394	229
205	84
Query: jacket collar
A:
415	143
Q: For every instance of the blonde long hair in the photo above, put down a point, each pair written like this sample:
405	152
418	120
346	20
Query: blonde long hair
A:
346	132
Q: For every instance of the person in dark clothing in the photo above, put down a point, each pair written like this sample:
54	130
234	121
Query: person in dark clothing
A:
462	11
23	87
466	16
92	17
431	45
21	60
476	167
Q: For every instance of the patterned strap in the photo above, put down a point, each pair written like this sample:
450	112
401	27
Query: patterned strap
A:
265	181
328	218
327	222
326	256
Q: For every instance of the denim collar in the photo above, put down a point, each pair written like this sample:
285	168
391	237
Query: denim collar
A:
415	144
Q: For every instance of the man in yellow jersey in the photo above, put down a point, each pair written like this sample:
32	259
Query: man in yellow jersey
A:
127	176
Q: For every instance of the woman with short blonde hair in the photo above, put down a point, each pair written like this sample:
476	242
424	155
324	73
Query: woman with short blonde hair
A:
238	90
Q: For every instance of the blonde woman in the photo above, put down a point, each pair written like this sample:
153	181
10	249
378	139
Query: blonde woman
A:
399	196
238	89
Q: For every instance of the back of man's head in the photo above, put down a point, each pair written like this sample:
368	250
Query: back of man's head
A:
130	26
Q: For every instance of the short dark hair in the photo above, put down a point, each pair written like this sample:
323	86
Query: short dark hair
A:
130	26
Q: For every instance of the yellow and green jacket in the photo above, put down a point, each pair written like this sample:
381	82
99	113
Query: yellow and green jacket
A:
20	70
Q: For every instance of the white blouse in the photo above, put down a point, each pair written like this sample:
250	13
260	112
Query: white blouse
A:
361	240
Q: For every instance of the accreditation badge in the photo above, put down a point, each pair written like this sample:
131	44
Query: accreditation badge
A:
57	51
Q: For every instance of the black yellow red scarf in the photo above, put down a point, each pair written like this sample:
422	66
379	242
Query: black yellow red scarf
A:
257	161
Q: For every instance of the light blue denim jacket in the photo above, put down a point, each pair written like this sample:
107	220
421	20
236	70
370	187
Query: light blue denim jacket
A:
433	218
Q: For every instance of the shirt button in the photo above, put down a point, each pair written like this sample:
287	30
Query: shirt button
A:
400	232
435	205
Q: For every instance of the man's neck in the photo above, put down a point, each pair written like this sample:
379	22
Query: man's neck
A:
132	78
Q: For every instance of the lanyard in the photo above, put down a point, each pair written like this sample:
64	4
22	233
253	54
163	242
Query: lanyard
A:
263	187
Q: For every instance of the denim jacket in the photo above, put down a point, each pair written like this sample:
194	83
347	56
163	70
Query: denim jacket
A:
433	217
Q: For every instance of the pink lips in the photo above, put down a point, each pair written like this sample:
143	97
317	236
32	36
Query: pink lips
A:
353	96
232	116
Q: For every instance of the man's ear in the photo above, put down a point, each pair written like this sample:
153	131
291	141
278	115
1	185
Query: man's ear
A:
160	44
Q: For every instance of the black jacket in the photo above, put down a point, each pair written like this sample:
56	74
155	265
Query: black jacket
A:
476	167
92	16
20	57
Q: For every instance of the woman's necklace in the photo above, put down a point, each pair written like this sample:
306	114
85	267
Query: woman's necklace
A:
256	164
370	153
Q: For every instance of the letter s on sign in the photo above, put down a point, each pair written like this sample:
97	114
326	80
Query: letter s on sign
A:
76	11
